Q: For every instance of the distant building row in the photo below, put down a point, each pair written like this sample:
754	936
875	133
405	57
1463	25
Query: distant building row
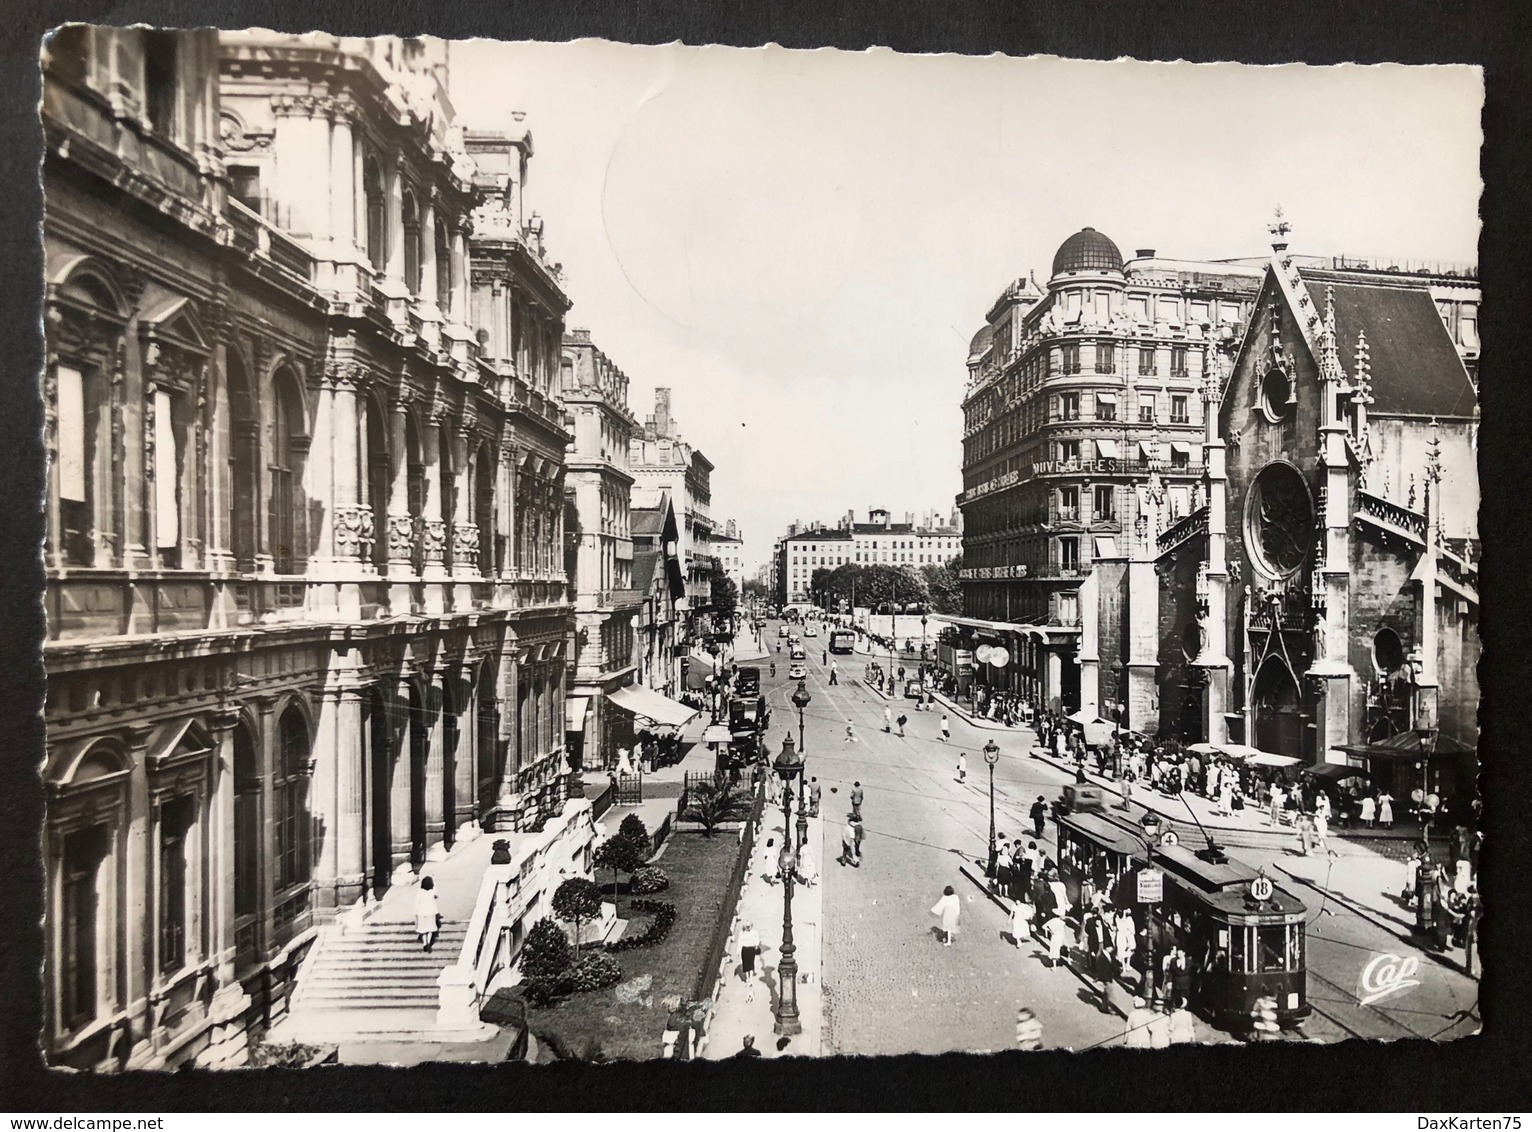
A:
879	541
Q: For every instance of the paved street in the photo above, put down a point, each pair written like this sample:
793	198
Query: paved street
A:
891	987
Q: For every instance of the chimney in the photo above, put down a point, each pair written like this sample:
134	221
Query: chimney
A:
1144	253
662	411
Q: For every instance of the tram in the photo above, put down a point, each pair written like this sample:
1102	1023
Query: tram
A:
1244	937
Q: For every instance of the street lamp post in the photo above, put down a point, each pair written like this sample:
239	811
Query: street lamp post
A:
922	646
1151	830
800	700
788	765
991	756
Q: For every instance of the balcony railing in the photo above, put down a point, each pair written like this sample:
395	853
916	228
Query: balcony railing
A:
1183	529
1281	609
1394	514
255	236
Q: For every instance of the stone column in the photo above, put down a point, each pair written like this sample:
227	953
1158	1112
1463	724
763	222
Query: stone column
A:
342	182
400	796
428	298
401	524
220	814
353	523
436	766
434	532
340	781
465	764
465	534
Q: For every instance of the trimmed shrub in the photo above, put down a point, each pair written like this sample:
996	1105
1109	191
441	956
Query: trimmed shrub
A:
665	917
545	990
634	829
592	973
577	900
649	880
547	952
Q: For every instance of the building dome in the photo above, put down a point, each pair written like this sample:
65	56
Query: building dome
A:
1087	250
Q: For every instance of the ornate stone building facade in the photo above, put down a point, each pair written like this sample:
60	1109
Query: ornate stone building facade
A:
599	491
661	461
1076	397
307	608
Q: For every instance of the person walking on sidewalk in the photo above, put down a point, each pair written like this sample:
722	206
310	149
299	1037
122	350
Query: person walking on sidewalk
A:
1385	810
1135	1032
888	720
861	835
947	910
962	767
946	728
902	720
808	875
814	790
856	800
749	948
1369	812
834	672
747	1049
1038	813
1021	921
850	732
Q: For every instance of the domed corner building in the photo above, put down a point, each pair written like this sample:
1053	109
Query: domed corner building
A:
1323	605
1076	389
1145	528
1087	252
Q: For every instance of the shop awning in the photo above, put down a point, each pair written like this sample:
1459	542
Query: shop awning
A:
1238	750
1146	451
1335	772
1106	398
1106	546
1106	449
651	705
575	708
1265	758
1180	449
1084	717
1408	745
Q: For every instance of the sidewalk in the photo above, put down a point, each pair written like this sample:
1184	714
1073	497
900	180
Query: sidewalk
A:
736	1013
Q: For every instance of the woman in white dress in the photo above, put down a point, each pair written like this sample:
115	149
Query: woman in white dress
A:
947	910
427	913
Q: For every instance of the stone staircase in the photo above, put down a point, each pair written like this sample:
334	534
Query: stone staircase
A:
370	981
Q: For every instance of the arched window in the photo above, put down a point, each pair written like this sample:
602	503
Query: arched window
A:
411	243
379	477
484	510
249	835
288	529
445	299
415	485
377	222
290	801
447	474
244	462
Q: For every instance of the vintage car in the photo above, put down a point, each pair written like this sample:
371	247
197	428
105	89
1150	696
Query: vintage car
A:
797	671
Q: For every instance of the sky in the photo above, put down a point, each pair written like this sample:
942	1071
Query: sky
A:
801	244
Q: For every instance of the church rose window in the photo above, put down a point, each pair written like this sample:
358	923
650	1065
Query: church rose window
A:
1279	520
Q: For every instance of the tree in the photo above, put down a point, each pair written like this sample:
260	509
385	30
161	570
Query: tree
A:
577	900
725	595
713	803
634	829
946	595
547	953
621	854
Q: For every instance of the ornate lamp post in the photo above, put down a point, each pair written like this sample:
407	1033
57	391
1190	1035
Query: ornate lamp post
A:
788	765
991	756
922	645
800	701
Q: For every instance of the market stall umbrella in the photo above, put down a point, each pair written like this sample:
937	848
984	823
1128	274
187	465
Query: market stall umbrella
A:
1098	733
1266	758
1083	717
1239	751
1203	749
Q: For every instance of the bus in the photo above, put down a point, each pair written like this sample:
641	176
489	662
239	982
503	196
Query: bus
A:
841	640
